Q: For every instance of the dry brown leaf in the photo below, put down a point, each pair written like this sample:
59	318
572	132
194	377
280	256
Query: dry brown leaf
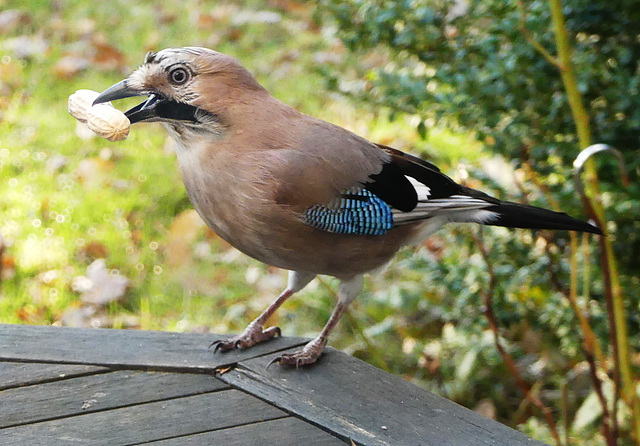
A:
94	250
69	66
105	55
291	6
8	267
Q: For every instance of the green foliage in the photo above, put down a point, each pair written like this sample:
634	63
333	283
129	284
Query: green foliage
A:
487	67
468	65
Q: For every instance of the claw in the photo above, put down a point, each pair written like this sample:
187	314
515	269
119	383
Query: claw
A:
251	336
273	361
217	345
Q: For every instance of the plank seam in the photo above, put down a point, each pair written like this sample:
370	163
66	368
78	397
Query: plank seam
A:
54	378
106	409
248	372
152	368
214	430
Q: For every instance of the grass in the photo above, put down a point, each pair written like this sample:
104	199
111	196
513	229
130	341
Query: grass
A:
68	200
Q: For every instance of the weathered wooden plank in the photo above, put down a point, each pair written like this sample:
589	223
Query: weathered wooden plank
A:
124	348
146	422
288	431
15	374
360	402
87	394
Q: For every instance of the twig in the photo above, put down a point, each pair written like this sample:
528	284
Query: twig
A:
506	357
590	339
590	345
565	411
532	40
623	376
610	427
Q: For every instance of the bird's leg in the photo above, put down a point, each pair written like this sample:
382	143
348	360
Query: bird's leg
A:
255	332
310	353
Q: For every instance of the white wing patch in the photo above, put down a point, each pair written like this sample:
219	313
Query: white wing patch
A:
422	190
456	208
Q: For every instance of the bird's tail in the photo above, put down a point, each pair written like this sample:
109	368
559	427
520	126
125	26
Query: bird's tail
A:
515	215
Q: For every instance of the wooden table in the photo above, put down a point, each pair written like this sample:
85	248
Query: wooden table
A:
67	386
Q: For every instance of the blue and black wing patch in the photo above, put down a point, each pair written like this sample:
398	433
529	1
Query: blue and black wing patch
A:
358	212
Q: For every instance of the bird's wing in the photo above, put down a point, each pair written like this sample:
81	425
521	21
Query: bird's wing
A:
407	189
437	194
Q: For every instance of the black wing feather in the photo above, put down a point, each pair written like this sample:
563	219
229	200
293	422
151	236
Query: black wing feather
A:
392	185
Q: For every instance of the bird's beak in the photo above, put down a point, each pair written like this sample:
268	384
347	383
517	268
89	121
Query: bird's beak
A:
155	108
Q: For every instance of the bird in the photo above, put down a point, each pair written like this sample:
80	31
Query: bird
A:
296	192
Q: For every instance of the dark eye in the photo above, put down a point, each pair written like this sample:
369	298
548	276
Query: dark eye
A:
179	76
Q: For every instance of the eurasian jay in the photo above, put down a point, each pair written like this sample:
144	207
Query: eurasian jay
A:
297	192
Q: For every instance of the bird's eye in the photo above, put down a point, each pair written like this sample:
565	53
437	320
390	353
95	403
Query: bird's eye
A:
179	76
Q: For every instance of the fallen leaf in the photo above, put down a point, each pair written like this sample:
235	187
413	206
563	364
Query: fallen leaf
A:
94	250
249	17
105	286
11	19
290	6
69	67
105	55
30	314
24	47
77	315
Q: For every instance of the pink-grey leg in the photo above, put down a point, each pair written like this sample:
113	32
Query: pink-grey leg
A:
255	332
310	353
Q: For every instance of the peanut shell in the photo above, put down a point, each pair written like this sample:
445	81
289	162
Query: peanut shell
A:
80	102
108	122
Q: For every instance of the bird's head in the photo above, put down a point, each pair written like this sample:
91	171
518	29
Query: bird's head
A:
186	87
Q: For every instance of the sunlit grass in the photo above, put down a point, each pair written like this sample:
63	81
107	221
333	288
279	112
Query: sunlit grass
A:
68	200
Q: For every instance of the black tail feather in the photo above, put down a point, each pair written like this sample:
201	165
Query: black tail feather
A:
515	215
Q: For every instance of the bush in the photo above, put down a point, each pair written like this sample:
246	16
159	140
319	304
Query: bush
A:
489	67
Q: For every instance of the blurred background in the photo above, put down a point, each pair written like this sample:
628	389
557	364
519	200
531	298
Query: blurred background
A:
521	326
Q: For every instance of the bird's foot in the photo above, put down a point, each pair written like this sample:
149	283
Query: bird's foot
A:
252	335
307	355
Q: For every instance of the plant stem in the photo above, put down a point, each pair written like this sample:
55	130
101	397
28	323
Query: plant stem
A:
506	357
615	304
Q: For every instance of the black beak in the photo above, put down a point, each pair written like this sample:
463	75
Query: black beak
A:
118	91
155	108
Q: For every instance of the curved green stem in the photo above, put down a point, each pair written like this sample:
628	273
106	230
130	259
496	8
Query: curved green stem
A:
615	305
